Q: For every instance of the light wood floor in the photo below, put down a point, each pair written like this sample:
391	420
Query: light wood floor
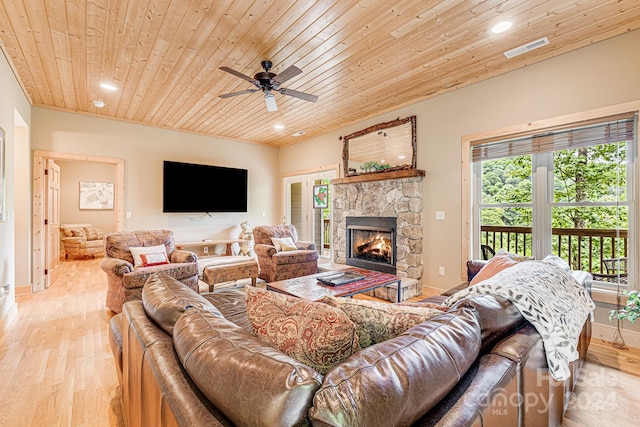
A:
56	367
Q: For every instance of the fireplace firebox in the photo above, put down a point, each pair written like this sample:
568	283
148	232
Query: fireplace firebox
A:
371	243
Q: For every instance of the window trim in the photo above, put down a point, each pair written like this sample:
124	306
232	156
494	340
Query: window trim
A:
531	128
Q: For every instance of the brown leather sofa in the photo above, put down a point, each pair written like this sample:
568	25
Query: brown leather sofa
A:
190	360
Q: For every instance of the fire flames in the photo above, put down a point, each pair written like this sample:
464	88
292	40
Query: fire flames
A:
378	248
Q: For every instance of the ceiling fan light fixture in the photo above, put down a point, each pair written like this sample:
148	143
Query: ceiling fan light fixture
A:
267	82
270	101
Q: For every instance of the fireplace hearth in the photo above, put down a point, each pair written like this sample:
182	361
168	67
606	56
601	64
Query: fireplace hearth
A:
371	243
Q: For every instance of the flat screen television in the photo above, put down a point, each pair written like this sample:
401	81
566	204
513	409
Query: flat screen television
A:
189	187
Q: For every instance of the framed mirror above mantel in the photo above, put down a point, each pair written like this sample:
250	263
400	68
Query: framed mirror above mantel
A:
379	152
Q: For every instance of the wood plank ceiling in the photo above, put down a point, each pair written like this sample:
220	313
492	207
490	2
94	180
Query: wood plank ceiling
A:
361	57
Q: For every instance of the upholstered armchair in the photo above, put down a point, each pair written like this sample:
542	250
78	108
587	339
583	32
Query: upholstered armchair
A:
83	240
154	251
277	259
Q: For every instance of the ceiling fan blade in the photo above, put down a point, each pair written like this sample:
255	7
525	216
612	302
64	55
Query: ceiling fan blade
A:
242	76
241	92
297	94
270	100
287	74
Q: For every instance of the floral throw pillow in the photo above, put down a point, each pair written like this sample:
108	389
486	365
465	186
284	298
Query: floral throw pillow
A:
378	321
314	333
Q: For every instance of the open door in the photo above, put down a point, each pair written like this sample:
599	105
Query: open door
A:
52	223
312	224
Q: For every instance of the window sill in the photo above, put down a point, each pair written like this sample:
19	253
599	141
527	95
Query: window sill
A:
607	296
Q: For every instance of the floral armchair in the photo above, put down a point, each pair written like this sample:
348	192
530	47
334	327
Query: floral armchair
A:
131	257
277	258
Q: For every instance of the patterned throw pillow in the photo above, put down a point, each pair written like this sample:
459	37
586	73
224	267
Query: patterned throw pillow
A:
378	321
136	251
149	260
424	304
78	232
91	232
316	334
493	267
284	244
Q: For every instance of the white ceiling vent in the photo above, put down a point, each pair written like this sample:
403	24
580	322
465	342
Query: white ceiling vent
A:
526	47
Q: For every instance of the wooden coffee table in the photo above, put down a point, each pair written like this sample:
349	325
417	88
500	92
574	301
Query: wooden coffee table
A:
308	287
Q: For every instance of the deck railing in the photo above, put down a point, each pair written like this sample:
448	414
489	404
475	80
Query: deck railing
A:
326	235
583	248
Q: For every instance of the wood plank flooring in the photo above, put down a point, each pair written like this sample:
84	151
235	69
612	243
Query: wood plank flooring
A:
56	367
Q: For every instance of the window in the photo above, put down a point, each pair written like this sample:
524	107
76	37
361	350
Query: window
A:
568	191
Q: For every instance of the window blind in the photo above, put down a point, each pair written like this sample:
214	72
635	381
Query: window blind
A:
607	130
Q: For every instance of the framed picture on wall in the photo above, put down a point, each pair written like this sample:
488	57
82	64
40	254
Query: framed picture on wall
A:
96	195
3	217
320	196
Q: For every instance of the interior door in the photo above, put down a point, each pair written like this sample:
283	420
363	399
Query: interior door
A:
52	223
295	193
311	224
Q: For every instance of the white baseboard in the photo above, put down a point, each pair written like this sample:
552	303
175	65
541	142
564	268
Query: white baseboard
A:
606	333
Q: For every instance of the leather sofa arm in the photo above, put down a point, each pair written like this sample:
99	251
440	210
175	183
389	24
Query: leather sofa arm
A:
306	246
265	250
117	267
181	256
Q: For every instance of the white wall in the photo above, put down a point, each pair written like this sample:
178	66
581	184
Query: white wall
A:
71	174
12	100
144	148
22	204
596	76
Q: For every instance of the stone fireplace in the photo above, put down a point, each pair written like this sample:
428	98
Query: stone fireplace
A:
396	195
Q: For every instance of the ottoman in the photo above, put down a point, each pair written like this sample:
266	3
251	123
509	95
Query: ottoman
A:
228	268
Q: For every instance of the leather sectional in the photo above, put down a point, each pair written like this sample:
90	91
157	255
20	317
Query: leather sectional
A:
191	360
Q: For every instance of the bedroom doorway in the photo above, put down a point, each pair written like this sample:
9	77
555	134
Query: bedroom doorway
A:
44	220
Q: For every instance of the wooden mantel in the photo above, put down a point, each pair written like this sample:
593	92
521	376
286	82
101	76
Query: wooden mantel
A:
379	176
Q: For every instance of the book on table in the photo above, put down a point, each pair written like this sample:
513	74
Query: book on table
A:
336	278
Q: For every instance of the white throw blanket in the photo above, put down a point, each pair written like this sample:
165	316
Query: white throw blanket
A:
550	299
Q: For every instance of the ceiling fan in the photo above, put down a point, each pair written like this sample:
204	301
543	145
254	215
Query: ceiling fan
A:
269	83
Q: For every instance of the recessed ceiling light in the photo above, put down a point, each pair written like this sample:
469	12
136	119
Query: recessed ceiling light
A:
501	27
401	157
299	133
99	103
278	127
108	86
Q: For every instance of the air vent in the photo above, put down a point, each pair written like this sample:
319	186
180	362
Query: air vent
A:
526	47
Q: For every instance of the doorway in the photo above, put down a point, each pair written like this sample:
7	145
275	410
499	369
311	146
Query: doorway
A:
312	223
43	228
